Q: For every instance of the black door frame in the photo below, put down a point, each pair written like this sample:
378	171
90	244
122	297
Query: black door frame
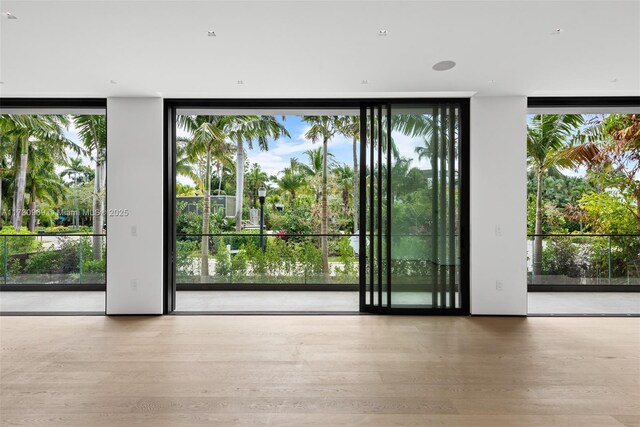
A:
171	105
377	109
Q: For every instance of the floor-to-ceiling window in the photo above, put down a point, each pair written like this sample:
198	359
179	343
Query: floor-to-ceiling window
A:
583	215
298	206
53	196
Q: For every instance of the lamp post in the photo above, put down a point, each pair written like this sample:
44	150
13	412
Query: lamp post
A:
262	193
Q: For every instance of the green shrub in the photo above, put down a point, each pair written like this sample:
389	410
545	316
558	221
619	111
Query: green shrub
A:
223	259
347	259
13	266
559	257
44	262
239	263
184	257
94	266
62	229
70	253
18	242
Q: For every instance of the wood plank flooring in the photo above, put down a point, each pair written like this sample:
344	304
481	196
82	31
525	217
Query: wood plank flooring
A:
319	370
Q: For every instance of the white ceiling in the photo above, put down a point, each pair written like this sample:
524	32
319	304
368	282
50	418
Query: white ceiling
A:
319	48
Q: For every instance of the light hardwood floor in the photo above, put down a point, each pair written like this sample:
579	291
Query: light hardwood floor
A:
319	370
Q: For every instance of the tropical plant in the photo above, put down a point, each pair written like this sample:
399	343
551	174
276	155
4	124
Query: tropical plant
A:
323	128
44	185
612	145
255	177
548	147
208	139
343	175
22	130
92	130
250	128
350	128
292	179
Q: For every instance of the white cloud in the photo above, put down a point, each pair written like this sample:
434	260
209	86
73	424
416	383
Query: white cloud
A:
269	162
407	148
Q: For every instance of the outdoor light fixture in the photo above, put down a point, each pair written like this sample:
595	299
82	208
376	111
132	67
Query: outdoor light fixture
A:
211	33
262	194
10	15
444	65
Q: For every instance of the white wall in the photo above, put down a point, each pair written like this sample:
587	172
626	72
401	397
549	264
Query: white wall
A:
498	205
134	183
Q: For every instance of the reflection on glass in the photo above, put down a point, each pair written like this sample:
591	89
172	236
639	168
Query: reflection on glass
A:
425	224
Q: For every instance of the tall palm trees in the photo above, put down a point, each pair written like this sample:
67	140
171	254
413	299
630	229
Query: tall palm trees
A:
23	130
323	128
547	148
92	130
208	139
350	127
242	129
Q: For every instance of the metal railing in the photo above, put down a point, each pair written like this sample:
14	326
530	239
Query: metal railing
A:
46	260
584	260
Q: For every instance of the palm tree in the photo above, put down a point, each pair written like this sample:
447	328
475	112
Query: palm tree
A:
350	128
22	129
323	128
92	130
45	185
548	139
77	172
207	139
255	178
185	163
250	128
5	156
291	181
344	180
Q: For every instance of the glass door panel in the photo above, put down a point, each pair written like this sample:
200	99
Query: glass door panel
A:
425	228
412	209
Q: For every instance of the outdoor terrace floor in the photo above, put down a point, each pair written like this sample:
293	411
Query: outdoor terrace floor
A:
615	303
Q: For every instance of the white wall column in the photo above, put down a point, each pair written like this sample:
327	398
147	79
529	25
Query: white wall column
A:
134	205
498	205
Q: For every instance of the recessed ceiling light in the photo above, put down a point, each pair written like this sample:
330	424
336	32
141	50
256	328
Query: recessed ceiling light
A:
444	65
365	82
240	82
113	82
10	15
211	33
382	33
557	31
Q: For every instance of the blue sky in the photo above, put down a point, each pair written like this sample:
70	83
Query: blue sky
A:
277	157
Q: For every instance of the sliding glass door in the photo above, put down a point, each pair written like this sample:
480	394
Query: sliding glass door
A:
413	176
380	224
